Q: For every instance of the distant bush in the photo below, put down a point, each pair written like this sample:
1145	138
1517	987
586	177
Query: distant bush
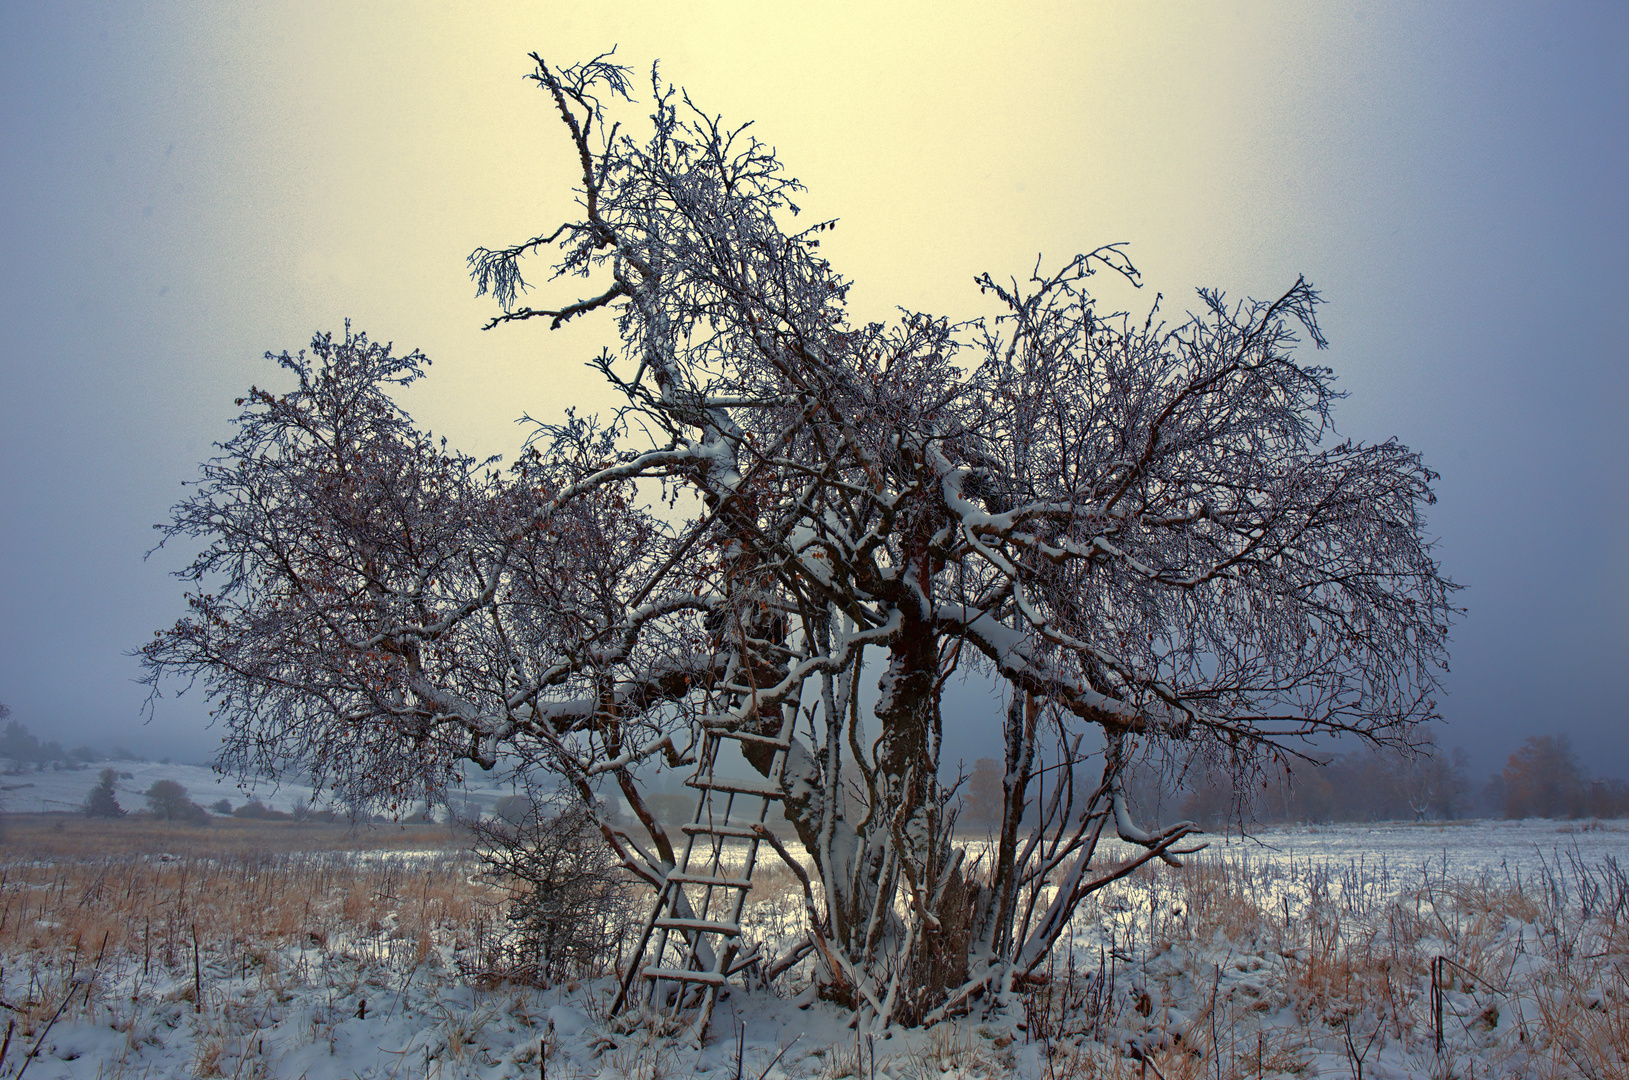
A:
672	807
168	801
1605	799
422	816
305	812
221	806
514	809
255	810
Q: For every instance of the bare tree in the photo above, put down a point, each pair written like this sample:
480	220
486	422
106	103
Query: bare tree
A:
1431	781
1147	531
1543	779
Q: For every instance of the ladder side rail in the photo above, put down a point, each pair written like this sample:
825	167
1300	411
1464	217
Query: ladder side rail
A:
777	774
672	901
664	900
636	959
702	971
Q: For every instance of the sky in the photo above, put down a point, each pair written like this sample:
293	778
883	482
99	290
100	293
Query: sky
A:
188	185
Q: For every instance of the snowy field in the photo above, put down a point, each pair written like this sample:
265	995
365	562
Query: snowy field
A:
1403	849
1299	952
63	790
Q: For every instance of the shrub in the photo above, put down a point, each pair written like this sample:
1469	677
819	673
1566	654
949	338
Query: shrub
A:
256	810
569	897
168	801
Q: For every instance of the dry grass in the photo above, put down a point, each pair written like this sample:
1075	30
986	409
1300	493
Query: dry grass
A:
1334	979
149	906
1536	976
73	836
167	917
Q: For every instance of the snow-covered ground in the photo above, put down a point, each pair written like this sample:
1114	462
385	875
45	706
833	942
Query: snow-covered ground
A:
1207	971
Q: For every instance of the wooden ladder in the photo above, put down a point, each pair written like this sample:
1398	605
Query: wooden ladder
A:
700	901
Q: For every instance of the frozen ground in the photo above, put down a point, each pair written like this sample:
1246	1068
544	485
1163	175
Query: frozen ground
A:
348	968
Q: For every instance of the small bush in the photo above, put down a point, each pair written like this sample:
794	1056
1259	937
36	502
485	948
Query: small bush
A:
255	810
168	801
569	898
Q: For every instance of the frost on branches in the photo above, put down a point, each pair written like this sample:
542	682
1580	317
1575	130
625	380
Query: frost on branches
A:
1140	527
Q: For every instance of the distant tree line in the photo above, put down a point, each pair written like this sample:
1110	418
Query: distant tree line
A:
26	751
169	800
1359	785
1542	779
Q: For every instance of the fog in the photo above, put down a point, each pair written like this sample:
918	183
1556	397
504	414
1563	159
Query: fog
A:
189	185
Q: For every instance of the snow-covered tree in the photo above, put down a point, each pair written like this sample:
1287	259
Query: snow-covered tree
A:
1145	530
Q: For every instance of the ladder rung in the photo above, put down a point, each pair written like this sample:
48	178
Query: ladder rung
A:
745	832
752	737
704	926
741	963
711	978
703	879
739	787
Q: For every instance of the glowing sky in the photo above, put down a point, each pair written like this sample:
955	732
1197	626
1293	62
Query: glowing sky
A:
187	186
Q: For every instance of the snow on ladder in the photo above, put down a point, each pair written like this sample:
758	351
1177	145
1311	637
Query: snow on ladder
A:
693	932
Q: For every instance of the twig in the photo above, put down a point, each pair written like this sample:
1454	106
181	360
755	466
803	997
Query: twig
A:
38	1042
414	970
1147	1064
780	1055
197	975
